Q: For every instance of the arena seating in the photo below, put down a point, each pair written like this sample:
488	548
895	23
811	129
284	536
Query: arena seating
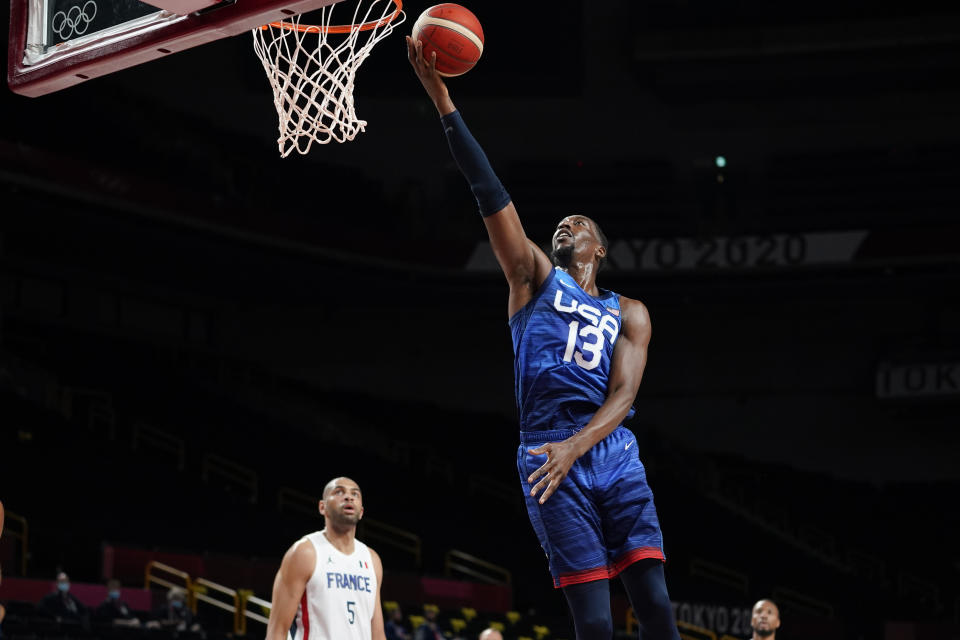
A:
154	503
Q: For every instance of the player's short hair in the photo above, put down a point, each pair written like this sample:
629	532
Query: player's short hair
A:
603	242
327	488
771	601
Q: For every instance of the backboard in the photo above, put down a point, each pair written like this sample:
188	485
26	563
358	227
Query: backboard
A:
58	43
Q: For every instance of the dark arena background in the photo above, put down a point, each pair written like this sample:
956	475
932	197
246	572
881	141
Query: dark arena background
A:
197	334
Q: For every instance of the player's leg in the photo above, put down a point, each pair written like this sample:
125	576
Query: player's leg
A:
631	531
590	607
647	590
568	524
568	527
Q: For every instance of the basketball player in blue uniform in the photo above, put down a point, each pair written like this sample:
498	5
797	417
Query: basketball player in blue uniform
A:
579	352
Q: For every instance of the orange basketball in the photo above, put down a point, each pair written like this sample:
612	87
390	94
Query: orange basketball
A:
454	33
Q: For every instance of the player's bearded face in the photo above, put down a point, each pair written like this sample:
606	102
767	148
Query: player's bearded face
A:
346	512
343	503
764	622
574	236
562	255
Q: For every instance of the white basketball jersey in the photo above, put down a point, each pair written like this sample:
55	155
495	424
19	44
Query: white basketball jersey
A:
339	601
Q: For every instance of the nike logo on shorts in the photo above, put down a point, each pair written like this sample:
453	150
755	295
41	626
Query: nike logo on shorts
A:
628	445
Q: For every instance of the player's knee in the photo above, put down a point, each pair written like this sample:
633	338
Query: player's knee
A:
656	616
648	590
594	626
659	599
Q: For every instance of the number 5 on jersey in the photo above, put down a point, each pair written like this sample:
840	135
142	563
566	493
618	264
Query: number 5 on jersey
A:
350	610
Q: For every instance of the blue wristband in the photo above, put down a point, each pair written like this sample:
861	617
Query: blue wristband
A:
472	161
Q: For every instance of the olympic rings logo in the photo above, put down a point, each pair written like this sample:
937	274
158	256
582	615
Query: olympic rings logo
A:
74	21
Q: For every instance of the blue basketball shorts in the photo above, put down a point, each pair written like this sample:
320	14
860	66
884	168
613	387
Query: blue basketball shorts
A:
602	518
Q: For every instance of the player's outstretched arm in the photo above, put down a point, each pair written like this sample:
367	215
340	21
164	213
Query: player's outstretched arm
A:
626	370
376	625
524	264
288	587
432	81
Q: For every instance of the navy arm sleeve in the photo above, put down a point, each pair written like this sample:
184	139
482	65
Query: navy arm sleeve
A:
486	187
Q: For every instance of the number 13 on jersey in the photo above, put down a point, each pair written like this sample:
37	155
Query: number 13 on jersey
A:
594	348
594	331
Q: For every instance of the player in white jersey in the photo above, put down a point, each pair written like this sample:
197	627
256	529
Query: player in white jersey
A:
328	585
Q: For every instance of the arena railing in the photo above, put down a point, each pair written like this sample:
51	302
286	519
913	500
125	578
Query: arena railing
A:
693	632
297	501
909	585
720	574
794	600
202	590
246	600
687	631
369	529
868	566
506	493
146	436
401	539
456	561
233	472
165	580
100	412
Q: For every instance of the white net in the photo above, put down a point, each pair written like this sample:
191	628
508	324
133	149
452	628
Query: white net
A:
312	68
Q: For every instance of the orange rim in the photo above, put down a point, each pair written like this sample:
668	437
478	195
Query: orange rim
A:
345	28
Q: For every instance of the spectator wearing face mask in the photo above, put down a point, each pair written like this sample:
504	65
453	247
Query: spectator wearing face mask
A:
61	605
176	615
114	610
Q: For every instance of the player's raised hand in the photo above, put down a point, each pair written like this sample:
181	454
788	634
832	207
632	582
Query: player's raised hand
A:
426	71
560	457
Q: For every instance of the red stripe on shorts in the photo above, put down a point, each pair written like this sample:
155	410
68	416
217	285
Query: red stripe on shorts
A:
634	555
603	573
577	577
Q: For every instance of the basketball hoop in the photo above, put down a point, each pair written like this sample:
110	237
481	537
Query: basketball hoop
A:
312	77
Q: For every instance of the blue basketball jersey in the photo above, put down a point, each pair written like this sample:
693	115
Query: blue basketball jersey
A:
563	341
